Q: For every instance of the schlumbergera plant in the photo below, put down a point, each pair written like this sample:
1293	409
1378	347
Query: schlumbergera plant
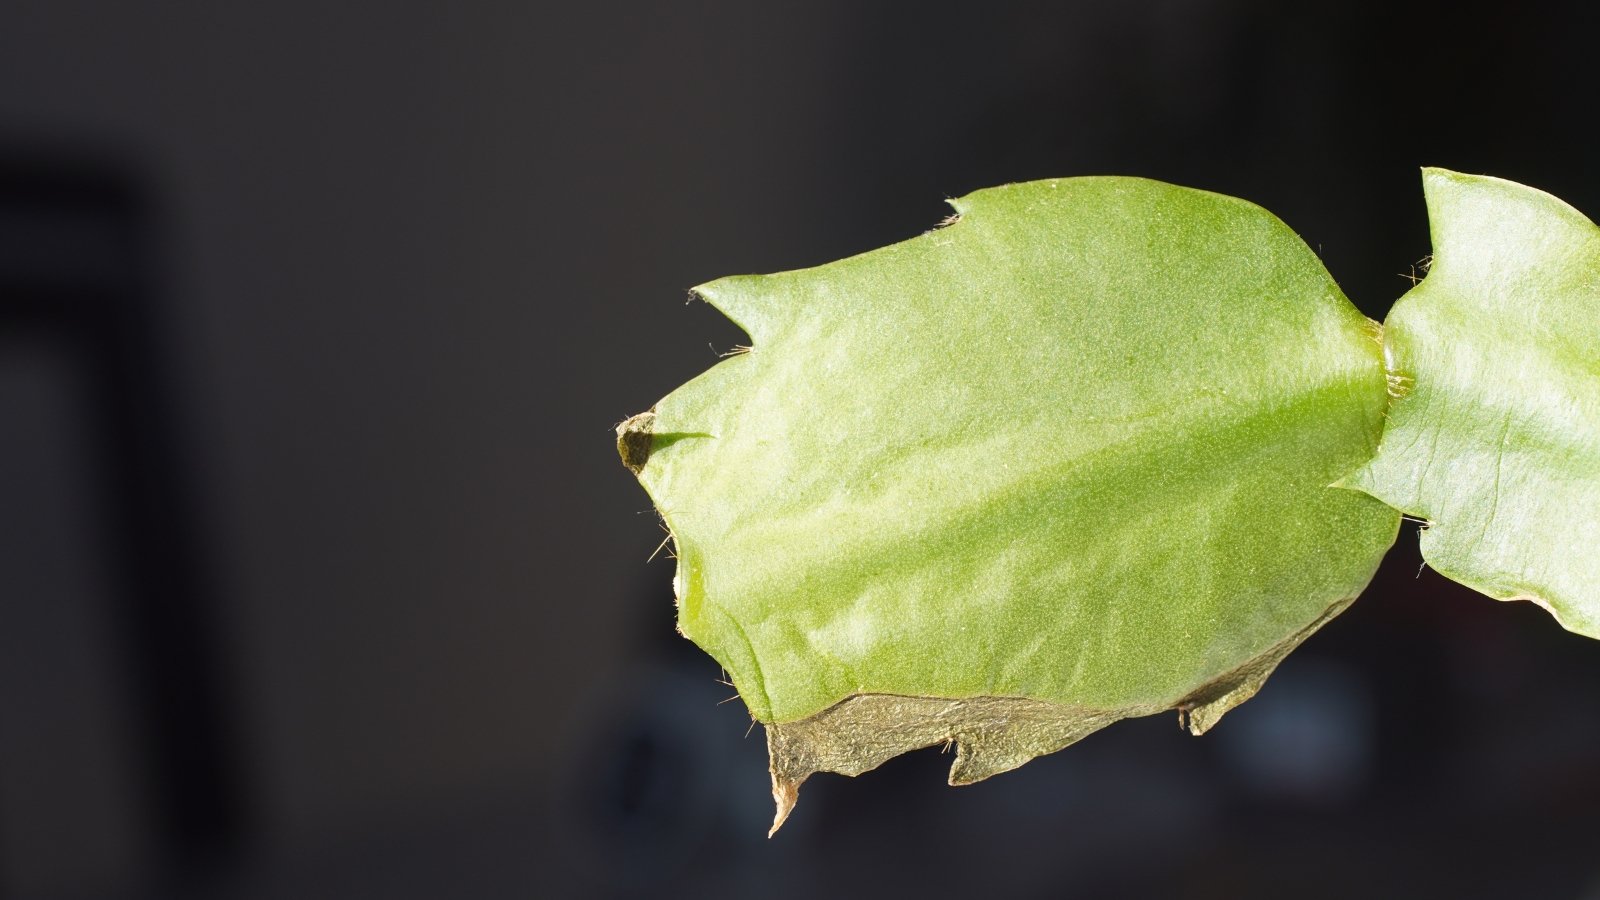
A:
1104	447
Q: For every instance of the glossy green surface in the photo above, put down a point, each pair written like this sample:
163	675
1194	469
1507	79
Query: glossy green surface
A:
1075	447
1494	438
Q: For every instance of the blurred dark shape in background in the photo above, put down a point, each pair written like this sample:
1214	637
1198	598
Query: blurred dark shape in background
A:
116	742
319	577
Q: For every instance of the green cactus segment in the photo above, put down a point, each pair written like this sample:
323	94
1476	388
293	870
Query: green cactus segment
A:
1074	448
1494	435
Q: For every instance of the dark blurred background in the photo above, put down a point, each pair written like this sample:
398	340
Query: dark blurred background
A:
319	576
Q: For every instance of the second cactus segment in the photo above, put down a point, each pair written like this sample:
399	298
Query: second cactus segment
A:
1494	435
